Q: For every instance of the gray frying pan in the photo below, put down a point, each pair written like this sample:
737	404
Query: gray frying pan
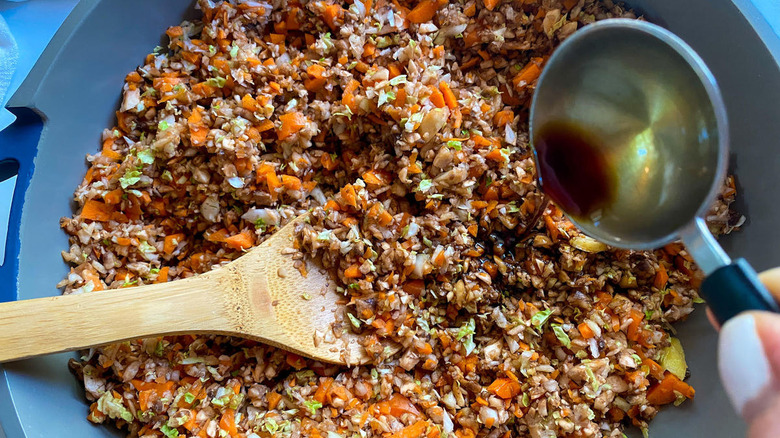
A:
75	89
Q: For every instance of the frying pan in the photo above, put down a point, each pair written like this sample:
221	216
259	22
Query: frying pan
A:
74	89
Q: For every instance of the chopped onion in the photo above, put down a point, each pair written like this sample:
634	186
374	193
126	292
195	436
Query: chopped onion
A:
419	265
268	215
412	230
510	136
360	7
236	182
317	194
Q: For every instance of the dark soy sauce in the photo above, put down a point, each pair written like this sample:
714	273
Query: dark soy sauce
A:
572	169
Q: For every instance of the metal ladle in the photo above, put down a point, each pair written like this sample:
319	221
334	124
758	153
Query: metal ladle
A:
660	123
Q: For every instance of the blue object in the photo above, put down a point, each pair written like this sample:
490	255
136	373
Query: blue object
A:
33	24
18	147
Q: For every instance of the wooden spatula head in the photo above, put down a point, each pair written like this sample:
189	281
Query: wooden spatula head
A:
275	303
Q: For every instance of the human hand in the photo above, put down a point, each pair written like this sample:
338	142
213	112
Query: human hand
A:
749	364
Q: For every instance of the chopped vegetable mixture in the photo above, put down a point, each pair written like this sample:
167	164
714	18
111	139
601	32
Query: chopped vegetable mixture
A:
402	127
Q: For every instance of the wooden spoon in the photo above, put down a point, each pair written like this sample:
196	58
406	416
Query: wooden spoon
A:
260	296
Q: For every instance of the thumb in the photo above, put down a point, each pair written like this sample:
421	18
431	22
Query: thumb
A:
749	363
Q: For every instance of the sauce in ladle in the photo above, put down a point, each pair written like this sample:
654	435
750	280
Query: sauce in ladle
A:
572	171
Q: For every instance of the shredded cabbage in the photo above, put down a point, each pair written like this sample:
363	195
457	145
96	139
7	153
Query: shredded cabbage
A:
113	407
540	318
561	335
129	178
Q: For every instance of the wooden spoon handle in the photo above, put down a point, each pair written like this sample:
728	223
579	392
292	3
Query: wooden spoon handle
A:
72	322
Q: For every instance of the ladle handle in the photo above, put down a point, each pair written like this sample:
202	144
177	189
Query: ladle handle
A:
735	288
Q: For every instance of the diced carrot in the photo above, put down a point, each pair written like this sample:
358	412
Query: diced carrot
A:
353	271
108	152
398	405
505	388
393	70
424	11
228	422
414	287
162	276
174	32
569	4
437	98
331	14
291	182
198	130
603	299
265	125
204	89
385	219
241	241
191	57
113	197
218	236
295	361
323	389
473	229
449	96
124	241
470	10
361	66
133	77
633	329
190	423
656	370
661	277
400	98
316	80
491	194
92	277
96	211
528	74
348	195
249	103
664	392
586	331
480	141
276	38
331	205
496	155
328	162
273	399
416	430
503	118
425	349
144	397
371	178
171	242
348	98
291	123
369	49
491	4
469	40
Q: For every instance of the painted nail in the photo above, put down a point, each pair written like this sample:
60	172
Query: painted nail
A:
744	368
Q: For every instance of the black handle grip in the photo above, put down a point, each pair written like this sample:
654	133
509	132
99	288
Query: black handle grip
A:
735	288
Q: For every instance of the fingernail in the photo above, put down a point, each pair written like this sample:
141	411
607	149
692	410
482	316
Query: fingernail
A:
744	368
